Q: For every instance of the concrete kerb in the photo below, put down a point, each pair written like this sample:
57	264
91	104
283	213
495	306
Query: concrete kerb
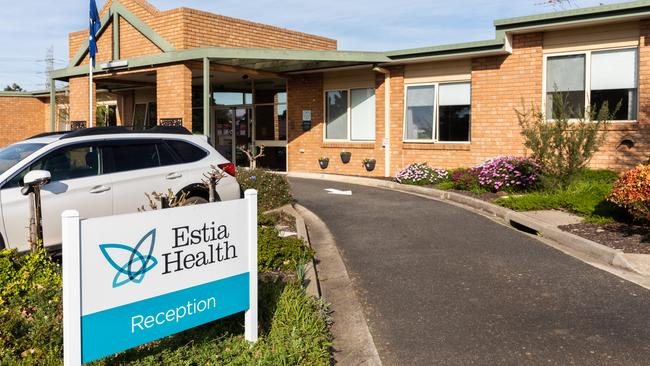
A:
591	249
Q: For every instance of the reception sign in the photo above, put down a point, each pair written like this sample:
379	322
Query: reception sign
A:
131	279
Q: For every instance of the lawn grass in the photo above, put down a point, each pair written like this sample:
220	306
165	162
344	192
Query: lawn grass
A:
585	196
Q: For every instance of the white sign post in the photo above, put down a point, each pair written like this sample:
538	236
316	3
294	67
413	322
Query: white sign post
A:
131	279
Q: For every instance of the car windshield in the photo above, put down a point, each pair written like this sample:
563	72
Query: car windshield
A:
13	154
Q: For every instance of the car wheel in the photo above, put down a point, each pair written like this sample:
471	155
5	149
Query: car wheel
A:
195	200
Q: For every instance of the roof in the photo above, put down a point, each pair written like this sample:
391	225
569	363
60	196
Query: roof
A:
634	8
30	94
287	60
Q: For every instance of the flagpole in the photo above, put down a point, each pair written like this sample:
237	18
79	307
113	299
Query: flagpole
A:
90	91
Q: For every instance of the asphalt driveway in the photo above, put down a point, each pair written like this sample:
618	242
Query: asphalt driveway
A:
444	286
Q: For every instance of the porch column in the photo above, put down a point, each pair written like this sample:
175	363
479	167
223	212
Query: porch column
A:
79	108
52	105
174	93
206	97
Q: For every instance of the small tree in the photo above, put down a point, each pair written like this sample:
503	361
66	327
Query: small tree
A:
565	144
14	87
251	155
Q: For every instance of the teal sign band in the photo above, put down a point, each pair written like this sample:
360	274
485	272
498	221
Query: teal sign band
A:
117	329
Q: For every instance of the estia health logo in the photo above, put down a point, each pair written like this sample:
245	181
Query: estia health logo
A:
137	263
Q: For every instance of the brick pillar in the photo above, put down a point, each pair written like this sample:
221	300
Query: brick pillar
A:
174	93
396	118
304	92
79	99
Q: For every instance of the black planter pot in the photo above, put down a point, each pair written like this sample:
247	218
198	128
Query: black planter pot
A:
345	157
323	163
370	165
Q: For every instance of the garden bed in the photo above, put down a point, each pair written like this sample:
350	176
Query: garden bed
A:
293	326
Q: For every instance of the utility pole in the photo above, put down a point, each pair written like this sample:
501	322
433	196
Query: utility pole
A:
49	66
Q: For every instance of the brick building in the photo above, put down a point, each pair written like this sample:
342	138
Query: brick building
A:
248	84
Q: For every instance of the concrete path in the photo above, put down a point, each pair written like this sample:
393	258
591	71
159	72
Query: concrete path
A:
441	285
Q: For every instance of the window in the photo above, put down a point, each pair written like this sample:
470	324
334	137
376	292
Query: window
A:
454	112
187	152
165	155
14	154
135	156
362	127
144	116
337	115
613	81
593	78
232	98
350	114
65	163
420	101
444	117
281	110
565	77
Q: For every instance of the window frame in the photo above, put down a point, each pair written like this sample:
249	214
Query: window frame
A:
436	113
587	53
349	117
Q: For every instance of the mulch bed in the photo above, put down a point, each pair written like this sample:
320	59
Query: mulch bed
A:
628	237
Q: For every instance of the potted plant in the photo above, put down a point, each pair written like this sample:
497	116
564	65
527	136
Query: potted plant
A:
345	156
369	164
323	161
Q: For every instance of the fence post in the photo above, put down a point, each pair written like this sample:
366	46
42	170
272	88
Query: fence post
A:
71	247
251	314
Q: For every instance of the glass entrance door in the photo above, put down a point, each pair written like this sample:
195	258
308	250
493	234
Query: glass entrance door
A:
232	130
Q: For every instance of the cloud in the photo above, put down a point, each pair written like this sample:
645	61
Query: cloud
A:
29	27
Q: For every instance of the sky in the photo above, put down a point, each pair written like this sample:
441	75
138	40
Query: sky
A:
29	27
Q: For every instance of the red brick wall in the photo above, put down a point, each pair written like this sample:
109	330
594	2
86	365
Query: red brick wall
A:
20	118
204	29
188	28
306	93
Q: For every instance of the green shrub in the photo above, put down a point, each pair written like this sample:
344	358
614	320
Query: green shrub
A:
280	254
564	144
30	309
272	189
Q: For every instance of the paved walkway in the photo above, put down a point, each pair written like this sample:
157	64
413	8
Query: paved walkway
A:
444	286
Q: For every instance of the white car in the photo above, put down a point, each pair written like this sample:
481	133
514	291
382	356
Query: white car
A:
104	171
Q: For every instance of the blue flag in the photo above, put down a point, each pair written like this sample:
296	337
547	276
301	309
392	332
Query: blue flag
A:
95	25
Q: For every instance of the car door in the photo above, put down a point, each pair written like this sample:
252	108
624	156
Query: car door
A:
141	167
77	183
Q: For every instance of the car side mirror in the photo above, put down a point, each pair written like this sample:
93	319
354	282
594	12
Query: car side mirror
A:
33	179
37	177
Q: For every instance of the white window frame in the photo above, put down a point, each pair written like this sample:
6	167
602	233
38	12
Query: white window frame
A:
349	119
436	114
587	54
